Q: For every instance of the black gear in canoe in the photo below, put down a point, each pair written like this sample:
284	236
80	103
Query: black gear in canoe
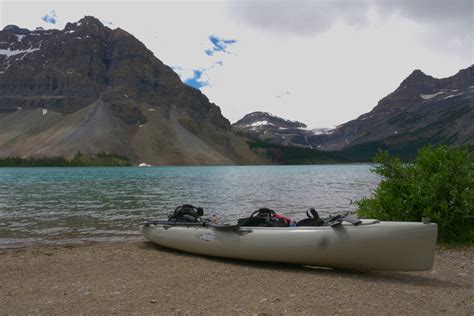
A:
186	213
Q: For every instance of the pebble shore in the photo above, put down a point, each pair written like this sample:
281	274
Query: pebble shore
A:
141	278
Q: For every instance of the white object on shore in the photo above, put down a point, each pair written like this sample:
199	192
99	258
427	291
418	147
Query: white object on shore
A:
44	111
144	165
372	245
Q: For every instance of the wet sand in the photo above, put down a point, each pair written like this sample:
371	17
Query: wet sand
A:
141	278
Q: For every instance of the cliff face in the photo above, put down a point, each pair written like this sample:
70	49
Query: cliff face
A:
273	129
422	110
90	88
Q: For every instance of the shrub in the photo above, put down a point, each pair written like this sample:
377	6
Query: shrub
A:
438	184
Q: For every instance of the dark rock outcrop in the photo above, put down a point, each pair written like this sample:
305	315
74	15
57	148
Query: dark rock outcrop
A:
266	127
422	110
88	65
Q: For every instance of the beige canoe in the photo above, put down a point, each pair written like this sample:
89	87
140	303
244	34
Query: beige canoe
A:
372	245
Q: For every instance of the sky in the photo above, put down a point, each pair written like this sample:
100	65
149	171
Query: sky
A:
319	62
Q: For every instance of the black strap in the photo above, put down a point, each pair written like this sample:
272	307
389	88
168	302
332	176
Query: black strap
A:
338	219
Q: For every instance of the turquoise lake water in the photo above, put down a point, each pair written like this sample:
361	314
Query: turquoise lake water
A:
64	205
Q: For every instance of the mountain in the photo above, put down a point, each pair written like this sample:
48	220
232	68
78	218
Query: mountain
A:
266	127
90	88
422	110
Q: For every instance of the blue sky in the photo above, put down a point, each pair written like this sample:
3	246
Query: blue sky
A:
50	17
196	80
219	45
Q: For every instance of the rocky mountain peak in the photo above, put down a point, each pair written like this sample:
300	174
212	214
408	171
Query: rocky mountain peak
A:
423	109
418	87
270	128
463	78
259	119
417	81
71	68
90	20
110	92
15	30
417	73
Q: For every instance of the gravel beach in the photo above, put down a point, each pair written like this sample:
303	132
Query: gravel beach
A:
141	278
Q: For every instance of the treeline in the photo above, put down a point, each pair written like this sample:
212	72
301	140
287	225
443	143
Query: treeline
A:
101	159
292	155
362	153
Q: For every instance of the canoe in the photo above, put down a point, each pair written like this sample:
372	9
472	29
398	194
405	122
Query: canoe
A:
372	245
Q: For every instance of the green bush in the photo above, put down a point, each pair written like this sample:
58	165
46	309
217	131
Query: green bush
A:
438	184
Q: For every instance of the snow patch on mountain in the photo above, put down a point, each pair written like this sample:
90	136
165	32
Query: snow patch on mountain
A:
8	52
260	123
453	95
322	131
430	96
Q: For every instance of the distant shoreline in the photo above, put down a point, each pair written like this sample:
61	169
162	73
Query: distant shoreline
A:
171	166
100	159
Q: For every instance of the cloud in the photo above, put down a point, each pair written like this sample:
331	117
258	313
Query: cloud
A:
436	12
312	17
199	77
192	77
183	73
107	23
301	17
283	94
219	45
448	25
50	18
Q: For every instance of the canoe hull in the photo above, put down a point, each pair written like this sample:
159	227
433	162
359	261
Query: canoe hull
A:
382	246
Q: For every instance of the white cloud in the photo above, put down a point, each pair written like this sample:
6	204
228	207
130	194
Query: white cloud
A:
335	68
301	17
184	74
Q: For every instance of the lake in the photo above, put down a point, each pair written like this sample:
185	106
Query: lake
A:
73	205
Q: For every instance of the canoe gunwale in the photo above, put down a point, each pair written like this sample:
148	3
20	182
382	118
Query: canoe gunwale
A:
234	227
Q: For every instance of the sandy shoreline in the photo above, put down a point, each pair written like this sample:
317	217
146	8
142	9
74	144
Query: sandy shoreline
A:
140	278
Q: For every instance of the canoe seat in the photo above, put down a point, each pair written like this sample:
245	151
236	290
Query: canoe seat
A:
312	220
264	217
186	213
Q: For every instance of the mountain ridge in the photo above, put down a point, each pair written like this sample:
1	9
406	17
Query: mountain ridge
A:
422	110
90	88
267	127
411	111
